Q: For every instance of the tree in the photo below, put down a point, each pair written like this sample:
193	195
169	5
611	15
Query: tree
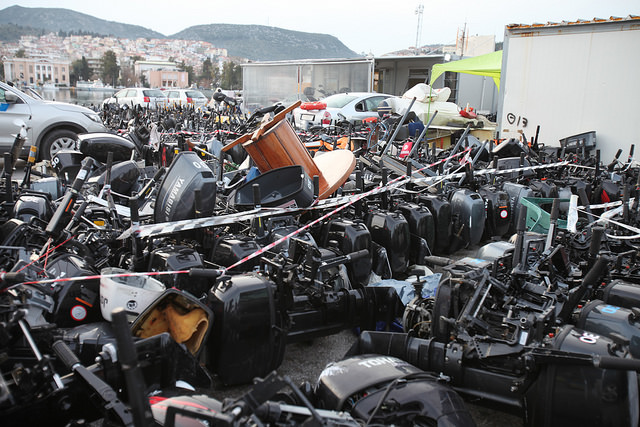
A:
231	76
1	70
206	75
110	68
79	71
20	53
189	69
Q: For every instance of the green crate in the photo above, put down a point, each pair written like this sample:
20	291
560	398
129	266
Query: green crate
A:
539	213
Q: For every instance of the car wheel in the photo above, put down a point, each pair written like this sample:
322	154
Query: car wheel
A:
56	141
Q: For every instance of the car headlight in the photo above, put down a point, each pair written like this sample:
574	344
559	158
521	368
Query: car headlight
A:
94	118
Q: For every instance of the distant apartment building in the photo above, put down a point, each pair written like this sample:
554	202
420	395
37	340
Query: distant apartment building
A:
95	67
34	71
161	73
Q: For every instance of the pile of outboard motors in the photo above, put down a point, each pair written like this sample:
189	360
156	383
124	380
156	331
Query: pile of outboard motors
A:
135	270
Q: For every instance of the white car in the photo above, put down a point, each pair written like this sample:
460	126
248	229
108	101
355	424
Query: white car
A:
51	126
186	97
351	106
140	96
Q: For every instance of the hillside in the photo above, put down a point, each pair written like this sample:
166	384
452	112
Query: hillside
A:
255	42
54	19
262	43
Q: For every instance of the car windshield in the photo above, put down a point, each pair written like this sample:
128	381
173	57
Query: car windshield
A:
195	94
154	93
339	100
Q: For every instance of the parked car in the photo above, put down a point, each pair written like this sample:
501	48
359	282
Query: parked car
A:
51	125
350	106
186	97
141	96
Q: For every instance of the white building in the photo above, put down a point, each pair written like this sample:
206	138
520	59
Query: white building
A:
570	78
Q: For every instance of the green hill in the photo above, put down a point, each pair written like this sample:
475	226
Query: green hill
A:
55	19
255	42
262	43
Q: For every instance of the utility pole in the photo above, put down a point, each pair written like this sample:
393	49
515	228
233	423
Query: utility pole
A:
464	35
419	12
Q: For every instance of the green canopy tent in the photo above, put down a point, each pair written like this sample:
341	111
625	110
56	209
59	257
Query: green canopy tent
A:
483	65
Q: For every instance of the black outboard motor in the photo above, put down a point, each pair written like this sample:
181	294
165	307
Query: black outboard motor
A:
124	177
441	210
391	230
176	198
498	210
98	145
351	236
247	338
468	213
364	381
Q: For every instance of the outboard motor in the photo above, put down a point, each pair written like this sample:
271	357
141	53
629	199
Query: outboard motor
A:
441	210
176	198
468	213
98	145
391	230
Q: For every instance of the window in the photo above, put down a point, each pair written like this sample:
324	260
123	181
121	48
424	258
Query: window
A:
420	75
373	102
451	81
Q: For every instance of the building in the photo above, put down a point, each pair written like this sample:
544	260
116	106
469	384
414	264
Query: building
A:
268	82
571	78
161	74
37	71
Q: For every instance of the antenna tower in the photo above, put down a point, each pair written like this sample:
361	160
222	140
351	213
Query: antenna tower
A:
419	12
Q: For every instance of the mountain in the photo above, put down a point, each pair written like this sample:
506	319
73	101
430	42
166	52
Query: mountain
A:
255	42
262	43
54	19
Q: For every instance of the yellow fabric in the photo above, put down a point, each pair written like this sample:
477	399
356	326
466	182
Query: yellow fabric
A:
483	65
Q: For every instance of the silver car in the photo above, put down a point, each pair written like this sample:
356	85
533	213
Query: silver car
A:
140	96
352	106
186	97
51	125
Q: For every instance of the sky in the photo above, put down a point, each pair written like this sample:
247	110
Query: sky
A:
371	26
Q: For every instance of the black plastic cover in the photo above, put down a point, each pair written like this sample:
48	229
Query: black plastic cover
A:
247	340
467	207
340	381
288	186
421	225
77	302
99	144
124	176
559	396
176	197
441	210
351	236
391	230
621	293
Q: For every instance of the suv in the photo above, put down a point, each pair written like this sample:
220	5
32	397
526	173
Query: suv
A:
51	125
186	97
141	96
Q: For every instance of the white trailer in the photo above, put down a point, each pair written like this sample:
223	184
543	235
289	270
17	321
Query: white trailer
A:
572	78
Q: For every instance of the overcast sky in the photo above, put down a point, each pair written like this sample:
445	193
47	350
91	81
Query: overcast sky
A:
376	26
